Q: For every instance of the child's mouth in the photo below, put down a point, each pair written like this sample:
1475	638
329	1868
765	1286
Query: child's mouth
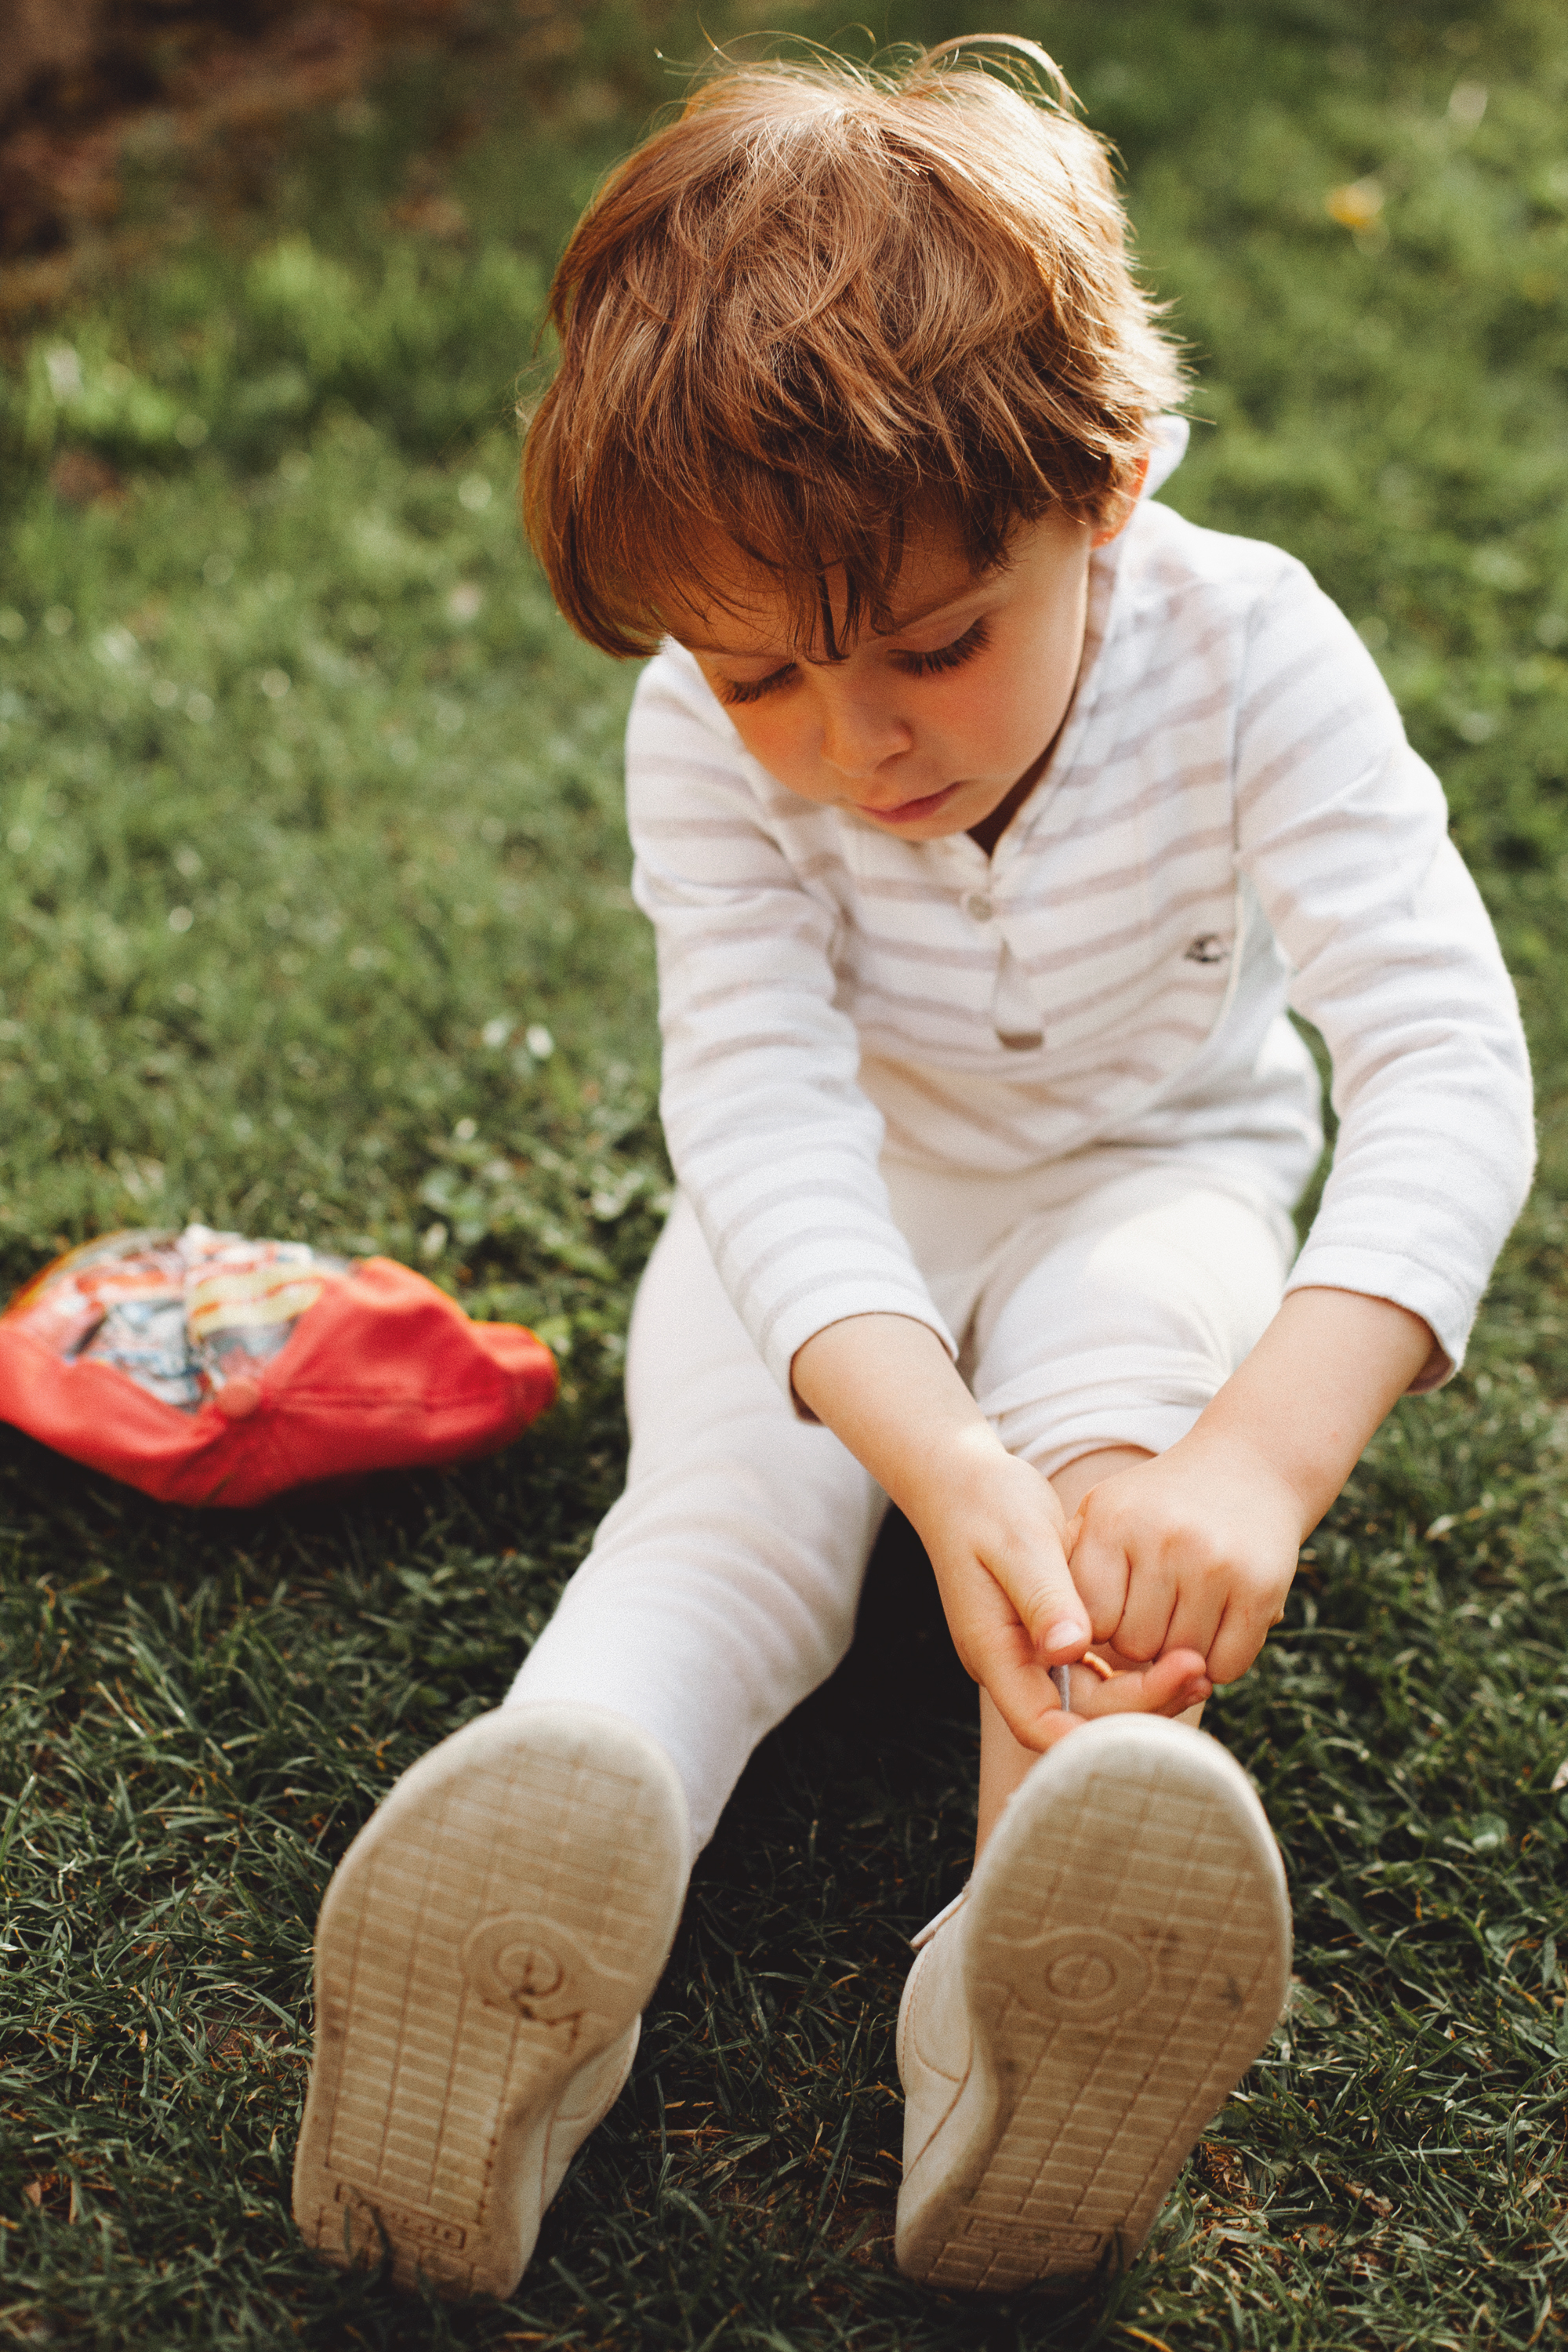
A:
910	812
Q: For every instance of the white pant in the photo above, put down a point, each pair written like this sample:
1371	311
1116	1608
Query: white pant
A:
1098	1302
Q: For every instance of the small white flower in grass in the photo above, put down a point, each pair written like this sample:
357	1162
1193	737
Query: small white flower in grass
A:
465	1130
495	1034
1499	566
180	918
473	493
538	1040
433	1241
466	601
1559	1777
275	684
63	368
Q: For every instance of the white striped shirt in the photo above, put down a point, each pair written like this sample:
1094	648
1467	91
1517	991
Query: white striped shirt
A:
1232	821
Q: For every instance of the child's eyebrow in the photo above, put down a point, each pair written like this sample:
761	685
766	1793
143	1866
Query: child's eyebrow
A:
910	620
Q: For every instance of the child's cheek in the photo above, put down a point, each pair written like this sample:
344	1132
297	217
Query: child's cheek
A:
782	742
978	718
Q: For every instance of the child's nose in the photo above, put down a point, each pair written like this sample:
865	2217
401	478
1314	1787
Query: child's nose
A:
861	733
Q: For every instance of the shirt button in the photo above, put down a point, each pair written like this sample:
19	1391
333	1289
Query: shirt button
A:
978	904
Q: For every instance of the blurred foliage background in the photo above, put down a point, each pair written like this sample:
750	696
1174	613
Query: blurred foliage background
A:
315	922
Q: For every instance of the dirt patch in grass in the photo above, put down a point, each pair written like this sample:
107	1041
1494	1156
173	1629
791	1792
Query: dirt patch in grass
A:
207	95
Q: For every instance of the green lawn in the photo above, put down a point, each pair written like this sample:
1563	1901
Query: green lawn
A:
316	922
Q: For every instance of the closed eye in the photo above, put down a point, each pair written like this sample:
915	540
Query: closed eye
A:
736	690
974	640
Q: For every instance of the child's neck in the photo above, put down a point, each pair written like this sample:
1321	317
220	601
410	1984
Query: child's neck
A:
990	829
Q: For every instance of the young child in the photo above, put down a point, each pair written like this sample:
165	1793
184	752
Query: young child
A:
988	815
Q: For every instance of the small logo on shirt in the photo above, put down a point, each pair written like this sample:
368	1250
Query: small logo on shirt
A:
1207	948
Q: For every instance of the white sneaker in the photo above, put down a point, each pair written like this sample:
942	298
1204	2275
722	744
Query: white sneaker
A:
482	1955
1119	1960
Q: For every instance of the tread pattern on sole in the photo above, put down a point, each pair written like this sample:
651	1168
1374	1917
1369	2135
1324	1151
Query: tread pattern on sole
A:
497	1924
1107	2036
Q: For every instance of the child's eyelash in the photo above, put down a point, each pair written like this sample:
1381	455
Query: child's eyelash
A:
974	640
752	690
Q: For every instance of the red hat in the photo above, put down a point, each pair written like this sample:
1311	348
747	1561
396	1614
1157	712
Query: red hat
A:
204	1367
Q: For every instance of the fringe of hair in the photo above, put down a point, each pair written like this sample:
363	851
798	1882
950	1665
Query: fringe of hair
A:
822	302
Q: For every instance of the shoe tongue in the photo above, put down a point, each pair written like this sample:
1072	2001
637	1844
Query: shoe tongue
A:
918	1943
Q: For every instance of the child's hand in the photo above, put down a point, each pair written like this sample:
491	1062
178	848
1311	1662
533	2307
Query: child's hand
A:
992	1526
1195	1548
994	1531
1190	1550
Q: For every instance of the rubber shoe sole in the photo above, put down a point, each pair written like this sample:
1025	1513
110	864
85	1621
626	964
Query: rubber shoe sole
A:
1127	1955
495	1925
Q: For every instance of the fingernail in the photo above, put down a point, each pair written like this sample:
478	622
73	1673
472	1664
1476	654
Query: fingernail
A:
1063	1637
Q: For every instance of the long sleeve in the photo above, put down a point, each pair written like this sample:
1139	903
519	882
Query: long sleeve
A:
1343	832
770	1133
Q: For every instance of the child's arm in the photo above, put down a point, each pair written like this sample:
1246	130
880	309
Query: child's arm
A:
992	1526
1180	1564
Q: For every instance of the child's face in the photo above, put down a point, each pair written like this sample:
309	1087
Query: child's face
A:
923	730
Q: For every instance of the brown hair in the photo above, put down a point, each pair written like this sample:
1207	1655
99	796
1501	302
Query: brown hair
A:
826	301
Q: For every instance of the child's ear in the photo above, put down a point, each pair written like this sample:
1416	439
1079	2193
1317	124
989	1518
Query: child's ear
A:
1120	514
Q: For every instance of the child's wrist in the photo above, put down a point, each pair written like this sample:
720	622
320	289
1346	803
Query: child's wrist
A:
966	1478
1233	1460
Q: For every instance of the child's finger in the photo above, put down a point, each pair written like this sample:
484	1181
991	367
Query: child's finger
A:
1039	1584
1147	1627
1028	1705
1197	1619
1100	1574
1026	1699
1241	1634
1171	1684
994	1648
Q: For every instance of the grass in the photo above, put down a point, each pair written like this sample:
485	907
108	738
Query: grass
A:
315	921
